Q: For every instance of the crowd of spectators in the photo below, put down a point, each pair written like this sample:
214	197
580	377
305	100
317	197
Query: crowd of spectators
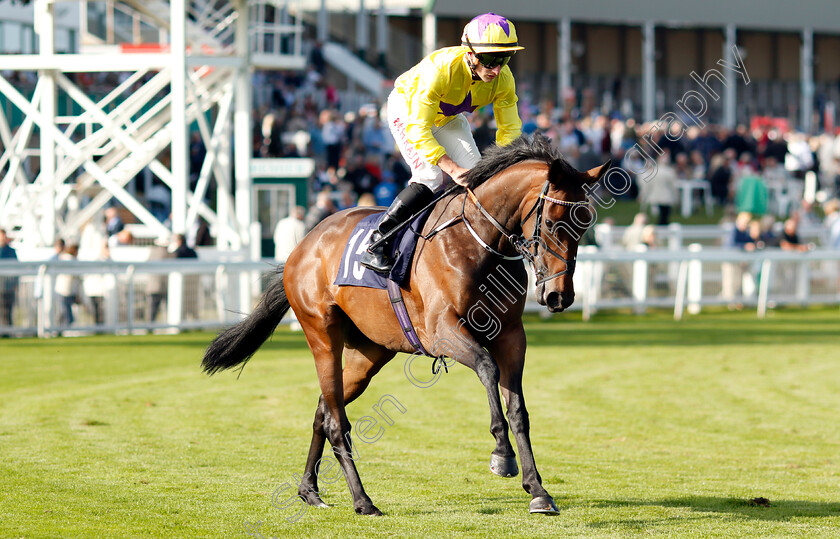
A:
757	172
759	169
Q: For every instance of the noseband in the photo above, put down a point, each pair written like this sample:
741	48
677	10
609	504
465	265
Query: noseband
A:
525	246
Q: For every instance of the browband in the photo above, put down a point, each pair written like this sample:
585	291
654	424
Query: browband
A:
564	202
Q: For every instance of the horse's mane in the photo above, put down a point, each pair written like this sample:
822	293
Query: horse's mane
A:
497	158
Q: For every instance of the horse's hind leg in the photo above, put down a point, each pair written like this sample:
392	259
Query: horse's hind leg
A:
363	359
308	489
361	364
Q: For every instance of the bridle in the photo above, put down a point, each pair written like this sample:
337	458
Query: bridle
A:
525	246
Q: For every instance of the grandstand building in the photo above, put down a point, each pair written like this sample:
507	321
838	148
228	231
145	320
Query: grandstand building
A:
617	57
636	58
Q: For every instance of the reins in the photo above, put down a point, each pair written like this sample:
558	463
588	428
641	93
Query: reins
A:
520	244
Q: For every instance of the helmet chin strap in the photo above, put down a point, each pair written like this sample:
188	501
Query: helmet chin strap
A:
472	70
474	66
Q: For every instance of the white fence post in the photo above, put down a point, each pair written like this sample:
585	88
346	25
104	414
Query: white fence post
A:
221	286
640	282
803	281
679	292
675	237
43	285
130	309
695	280
112	302
764	287
675	241
175	299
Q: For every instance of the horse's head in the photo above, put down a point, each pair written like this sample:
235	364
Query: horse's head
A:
561	214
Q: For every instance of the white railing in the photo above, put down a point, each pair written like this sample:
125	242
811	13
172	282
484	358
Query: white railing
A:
687	280
195	294
123	297
677	237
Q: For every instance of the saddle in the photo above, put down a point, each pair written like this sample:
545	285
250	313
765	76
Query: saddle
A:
352	273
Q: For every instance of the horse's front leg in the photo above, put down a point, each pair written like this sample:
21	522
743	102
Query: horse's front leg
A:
474	356
503	459
509	350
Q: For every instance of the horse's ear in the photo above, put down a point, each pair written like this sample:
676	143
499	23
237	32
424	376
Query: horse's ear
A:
594	174
555	171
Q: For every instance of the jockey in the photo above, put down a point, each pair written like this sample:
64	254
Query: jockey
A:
425	117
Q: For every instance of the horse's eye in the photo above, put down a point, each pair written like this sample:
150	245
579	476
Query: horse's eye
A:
549	224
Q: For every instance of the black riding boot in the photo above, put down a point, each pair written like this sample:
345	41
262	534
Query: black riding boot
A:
409	201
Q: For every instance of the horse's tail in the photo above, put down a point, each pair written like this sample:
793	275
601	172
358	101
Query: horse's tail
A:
237	344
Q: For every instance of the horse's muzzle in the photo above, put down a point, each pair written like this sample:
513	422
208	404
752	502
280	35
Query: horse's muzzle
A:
556	302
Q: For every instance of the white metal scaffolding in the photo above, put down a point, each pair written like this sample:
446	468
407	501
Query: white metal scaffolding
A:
60	169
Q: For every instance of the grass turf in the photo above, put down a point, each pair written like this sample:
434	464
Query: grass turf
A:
640	426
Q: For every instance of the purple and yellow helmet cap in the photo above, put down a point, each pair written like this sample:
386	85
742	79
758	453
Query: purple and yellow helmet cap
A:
490	33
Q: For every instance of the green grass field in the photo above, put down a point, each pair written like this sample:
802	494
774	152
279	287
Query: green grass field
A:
640	425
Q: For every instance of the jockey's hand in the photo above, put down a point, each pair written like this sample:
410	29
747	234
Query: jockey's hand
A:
451	167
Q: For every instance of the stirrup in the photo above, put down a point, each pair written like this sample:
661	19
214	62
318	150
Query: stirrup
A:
376	259
379	264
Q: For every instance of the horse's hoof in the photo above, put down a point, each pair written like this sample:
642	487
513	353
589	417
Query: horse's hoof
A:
544	505
312	499
370	510
504	466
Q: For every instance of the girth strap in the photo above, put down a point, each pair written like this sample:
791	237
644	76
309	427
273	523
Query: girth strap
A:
395	294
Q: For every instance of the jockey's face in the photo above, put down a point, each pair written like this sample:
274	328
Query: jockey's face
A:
486	74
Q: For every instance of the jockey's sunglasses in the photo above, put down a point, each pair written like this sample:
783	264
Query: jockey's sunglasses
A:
491	61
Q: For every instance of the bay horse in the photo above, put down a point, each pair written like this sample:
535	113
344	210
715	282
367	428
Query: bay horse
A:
524	200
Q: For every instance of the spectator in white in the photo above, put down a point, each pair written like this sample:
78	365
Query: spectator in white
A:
288	233
633	235
92	237
661	189
67	286
832	222
96	286
799	157
157	284
648	238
